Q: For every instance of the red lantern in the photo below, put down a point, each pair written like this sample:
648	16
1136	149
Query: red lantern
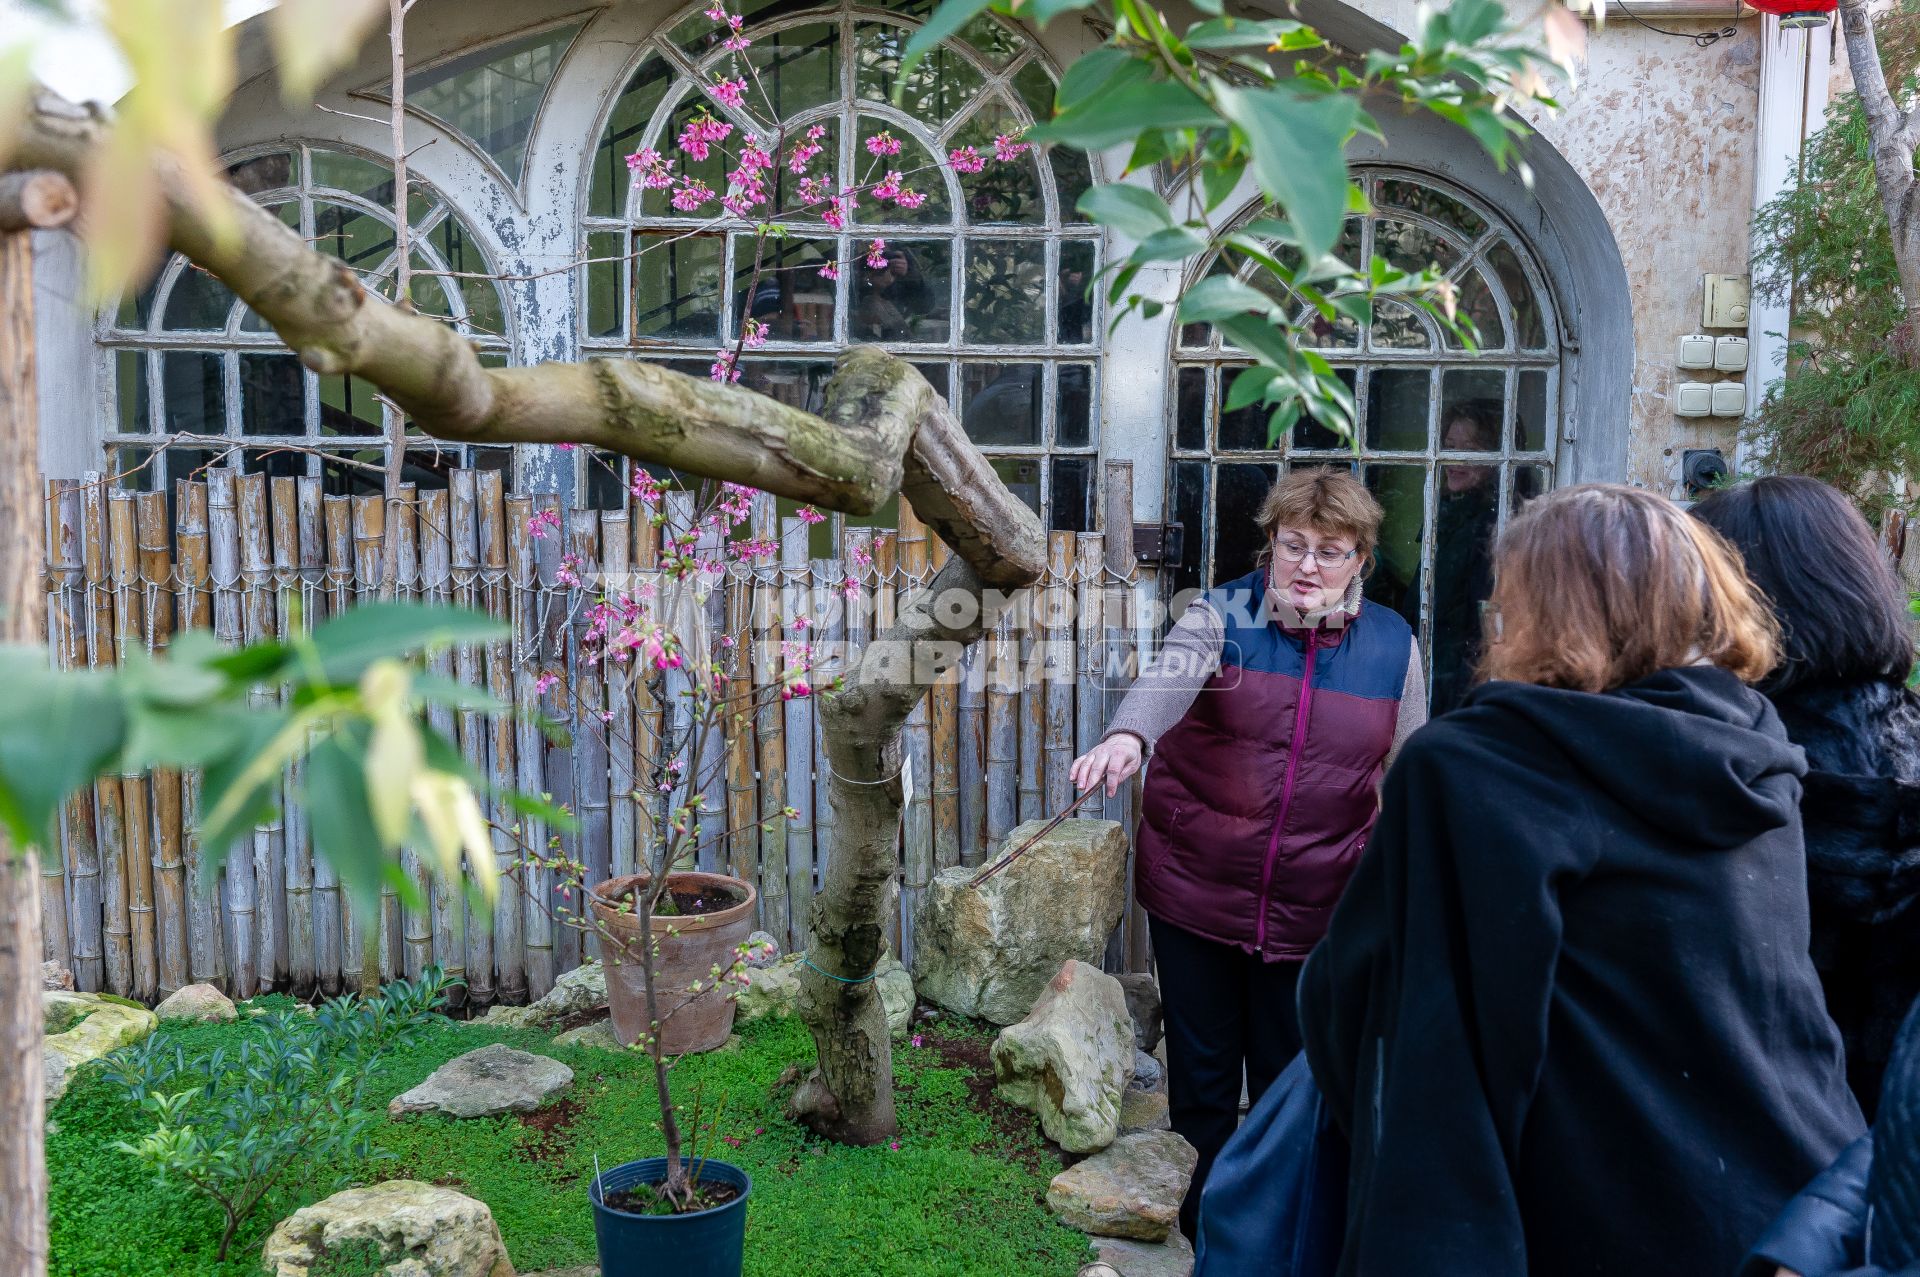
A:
1797	13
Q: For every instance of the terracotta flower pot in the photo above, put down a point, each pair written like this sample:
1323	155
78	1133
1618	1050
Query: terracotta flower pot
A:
689	947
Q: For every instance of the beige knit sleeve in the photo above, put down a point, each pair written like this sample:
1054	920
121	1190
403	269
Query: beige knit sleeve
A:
1164	691
1413	703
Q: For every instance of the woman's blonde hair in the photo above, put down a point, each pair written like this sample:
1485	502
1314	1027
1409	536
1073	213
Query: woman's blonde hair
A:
1601	585
1331	502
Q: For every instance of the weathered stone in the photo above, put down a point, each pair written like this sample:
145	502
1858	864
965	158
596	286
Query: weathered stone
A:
1144	1111
82	1027
1143	1004
418	1230
54	977
197	1002
1170	1258
896	994
494	1079
1070	1060
769	991
1133	1188
577	992
599	1036
762	950
1147	1073
989	951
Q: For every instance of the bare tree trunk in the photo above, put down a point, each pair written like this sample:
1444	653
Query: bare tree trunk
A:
1894	135
26	200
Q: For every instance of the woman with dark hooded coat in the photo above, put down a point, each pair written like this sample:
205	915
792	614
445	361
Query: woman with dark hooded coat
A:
1840	688
1564	1012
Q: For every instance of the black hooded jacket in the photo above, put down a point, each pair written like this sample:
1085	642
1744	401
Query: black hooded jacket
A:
1565	1011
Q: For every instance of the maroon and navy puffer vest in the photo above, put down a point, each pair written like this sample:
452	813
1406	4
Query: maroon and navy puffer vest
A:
1259	801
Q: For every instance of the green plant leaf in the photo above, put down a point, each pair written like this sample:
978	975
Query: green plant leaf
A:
338	812
1173	244
1115	115
58	730
313	38
944	23
1134	211
350	642
1250	387
1299	155
241	787
1218	296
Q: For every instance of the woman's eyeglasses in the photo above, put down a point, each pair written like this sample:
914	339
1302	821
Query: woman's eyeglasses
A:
1326	556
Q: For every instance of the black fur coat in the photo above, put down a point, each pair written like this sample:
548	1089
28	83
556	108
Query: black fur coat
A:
1862	815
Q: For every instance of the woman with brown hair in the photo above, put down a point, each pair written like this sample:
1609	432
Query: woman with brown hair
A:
1565	1013
1273	708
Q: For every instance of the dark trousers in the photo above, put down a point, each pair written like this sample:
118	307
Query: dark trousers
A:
1230	1018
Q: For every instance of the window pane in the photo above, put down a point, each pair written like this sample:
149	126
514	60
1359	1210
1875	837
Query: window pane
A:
1319	332
493	94
1236	529
134	469
272	396
1463	529
606	480
348	407
796	70
626	130
657	202
198	302
1000	404
193	398
1527	319
1022	477
1528	483
485	312
1073	425
1190	411
136	307
1472	406
921	175
340	478
262	173
1073	495
1416	197
1003	278
1412	248
1074	309
1397	409
787	294
1004	190
1036	90
991	40
937	88
130	391
677	287
1530	412
371	182
936	375
1478	309
183	465
1072	177
698	33
909	299
1244	429
1397	327
606	267
428	288
1187	506
1402	494
797	383
276	462
359	239
1308	432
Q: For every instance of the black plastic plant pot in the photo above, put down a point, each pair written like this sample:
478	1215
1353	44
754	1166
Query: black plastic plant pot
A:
706	1243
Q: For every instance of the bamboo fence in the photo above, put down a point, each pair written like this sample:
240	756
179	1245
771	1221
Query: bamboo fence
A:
133	911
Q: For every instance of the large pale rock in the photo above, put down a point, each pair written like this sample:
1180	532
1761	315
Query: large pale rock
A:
418	1230
494	1079
54	977
769	991
197	1002
599	1036
82	1027
1143	1004
580	990
896	994
988	951
1147	1073
1170	1258
1144	1111
1133	1188
1070	1060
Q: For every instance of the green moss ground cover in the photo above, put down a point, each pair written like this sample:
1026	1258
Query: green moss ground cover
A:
962	1194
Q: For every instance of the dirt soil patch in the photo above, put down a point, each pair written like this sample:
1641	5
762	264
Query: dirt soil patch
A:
973	1056
547	1129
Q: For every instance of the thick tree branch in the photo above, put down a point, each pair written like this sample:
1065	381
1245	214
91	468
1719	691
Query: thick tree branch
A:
319	308
1894	135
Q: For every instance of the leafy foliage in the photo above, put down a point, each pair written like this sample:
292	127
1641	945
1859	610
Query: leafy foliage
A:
377	775
293	1092
961	1196
1849	413
1215	103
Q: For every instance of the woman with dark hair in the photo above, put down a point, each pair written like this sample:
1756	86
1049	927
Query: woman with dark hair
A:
1847	648
1564	1013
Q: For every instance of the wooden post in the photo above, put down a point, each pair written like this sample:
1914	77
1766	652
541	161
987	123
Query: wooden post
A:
943	717
1003	731
616	726
332	953
916	749
169	869
117	928
797	612
743	790
830	625
770	736
536	930
69	622
509	952
26	201
293	956
259	611
129	608
55	938
206	943
469	666
1058	668
592	757
647	724
1119	622
370	934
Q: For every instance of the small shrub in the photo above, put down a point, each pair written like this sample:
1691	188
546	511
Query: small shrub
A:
231	1125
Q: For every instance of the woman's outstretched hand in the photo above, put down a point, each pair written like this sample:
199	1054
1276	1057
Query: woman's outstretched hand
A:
1111	762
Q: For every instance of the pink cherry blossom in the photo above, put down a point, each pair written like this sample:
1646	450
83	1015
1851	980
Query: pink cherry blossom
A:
877	255
834	214
911	199
883	143
966	159
545	683
830	271
802	156
753	334
649	168
543	522
723	369
807	514
888	188
690	196
736	43
730	92
1006	148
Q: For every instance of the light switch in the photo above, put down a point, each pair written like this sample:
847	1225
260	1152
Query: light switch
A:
1695	351
1730	354
1693	399
1726	301
1730	399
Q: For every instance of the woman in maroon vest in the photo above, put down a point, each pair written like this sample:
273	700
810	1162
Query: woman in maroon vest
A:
1271	713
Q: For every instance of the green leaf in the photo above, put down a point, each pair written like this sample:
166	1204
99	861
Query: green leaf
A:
1219	180
338	813
183	737
311	38
1174	244
1039	13
58	730
1219	296
1239	33
1250	387
1120	114
371	632
946	21
432	689
1134	211
1102	68
1299	155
